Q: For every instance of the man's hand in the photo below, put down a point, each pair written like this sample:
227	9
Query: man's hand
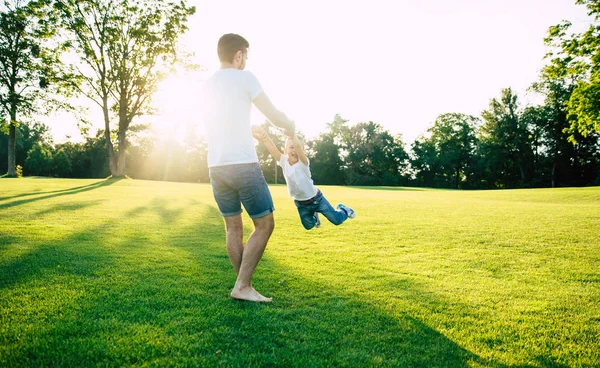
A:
259	133
291	131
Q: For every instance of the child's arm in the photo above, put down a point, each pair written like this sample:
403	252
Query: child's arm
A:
260	134
299	147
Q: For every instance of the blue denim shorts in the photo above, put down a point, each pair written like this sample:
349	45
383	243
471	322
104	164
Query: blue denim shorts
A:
234	185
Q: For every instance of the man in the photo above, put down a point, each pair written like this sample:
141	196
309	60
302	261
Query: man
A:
234	170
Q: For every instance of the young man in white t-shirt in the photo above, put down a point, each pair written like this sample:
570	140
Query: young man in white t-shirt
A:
296	169
235	174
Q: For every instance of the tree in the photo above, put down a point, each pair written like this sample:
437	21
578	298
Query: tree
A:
30	75
327	165
575	58
125	48
506	141
453	137
373	156
424	161
567	150
39	160
28	134
61	164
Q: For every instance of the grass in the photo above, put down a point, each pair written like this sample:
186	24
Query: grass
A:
135	273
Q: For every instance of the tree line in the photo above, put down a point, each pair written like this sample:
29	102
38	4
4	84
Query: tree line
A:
508	146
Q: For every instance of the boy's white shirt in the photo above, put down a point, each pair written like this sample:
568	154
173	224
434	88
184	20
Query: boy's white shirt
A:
298	178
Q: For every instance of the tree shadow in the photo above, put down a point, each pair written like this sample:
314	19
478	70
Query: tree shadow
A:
6	240
72	255
176	310
56	193
74	206
401	189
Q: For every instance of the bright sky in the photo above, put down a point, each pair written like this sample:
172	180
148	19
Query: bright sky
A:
399	63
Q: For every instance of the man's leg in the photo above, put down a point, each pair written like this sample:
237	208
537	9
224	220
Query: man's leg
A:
255	246
234	229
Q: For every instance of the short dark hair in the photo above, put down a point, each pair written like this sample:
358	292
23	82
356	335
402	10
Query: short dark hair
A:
229	44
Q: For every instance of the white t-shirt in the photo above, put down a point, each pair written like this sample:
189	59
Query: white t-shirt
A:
226	102
298	179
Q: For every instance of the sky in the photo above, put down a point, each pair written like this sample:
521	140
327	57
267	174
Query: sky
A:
399	63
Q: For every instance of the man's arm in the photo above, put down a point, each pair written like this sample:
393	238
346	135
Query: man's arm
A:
299	148
260	134
276	117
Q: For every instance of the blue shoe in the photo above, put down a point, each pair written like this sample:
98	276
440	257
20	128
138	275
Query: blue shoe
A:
349	211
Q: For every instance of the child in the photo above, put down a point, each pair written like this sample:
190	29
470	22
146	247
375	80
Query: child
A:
308	199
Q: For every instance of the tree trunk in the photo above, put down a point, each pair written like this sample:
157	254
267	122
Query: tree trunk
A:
109	146
12	147
553	172
457	176
121	169
122	134
522	171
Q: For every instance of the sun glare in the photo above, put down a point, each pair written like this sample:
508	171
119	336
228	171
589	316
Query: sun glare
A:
176	102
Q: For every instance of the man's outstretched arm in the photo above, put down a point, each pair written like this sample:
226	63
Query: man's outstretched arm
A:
276	117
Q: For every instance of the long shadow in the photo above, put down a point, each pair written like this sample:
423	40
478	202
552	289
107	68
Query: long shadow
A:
177	311
410	189
67	207
38	192
59	193
60	257
403	189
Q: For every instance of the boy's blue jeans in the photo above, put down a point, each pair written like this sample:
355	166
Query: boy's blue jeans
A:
308	212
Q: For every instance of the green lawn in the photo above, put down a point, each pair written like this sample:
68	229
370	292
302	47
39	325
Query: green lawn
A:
119	273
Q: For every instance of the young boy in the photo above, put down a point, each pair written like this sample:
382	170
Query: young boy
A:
308	199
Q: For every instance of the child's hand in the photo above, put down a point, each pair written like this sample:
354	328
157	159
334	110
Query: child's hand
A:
259	133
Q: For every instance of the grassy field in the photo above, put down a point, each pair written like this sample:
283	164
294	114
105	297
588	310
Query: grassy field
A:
127	272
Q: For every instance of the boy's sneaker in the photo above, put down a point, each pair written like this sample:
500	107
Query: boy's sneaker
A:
349	211
318	223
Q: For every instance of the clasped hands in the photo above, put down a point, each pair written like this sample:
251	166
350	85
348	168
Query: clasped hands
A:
260	134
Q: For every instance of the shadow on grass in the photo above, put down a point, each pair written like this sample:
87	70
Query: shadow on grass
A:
56	193
167	303
74	206
411	189
73	255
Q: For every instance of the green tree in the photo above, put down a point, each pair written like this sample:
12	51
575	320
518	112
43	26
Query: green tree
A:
424	162
327	165
575	58
374	157
28	134
125	48
30	75
454	140
567	155
506	141
61	164
39	160
88	159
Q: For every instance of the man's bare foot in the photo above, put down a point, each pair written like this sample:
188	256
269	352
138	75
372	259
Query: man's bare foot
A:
249	294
